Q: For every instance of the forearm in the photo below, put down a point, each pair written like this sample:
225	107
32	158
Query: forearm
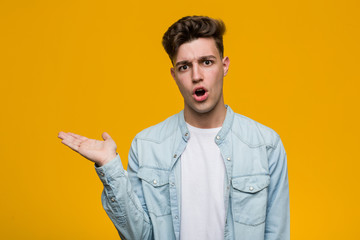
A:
278	211
121	203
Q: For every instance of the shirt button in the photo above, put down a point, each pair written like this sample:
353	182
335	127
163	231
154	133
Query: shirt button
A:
217	137
155	182
112	199
176	217
175	155
186	134
102	174
228	159
172	184
251	188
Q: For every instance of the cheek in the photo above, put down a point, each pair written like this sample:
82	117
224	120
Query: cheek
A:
182	86
216	77
183	81
216	71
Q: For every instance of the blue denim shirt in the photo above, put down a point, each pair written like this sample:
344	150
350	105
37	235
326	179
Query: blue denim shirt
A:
144	201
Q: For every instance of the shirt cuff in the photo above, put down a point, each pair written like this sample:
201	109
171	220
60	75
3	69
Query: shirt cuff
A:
110	169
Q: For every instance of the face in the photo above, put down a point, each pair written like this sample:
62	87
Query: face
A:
199	71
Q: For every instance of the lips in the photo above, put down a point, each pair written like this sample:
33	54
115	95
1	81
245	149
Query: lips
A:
200	94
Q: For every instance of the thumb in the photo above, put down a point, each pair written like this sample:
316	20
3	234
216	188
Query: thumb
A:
106	136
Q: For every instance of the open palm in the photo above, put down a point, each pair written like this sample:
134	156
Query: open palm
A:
96	151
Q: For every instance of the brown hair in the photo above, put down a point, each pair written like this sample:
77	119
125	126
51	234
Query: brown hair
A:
191	28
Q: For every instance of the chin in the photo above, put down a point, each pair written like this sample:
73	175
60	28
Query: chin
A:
203	108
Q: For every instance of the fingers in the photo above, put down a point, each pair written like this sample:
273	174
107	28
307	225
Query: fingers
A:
106	136
64	135
74	145
61	134
71	140
82	138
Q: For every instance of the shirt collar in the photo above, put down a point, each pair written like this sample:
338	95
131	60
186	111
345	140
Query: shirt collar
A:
226	126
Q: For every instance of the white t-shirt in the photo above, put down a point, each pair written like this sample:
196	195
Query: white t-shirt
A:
202	187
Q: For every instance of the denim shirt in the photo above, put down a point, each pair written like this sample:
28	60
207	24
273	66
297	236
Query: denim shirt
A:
144	201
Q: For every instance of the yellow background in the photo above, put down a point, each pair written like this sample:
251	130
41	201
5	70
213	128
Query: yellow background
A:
94	66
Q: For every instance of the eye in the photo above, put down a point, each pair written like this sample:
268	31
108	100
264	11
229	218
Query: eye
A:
207	62
183	67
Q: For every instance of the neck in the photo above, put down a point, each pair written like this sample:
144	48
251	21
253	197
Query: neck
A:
211	119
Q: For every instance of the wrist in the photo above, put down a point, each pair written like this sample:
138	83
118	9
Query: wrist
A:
106	160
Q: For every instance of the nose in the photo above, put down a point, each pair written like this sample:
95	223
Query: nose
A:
197	74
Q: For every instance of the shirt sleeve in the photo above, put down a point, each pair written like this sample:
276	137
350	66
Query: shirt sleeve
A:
278	211
124	206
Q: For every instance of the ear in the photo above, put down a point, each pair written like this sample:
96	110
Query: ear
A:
226	63
172	71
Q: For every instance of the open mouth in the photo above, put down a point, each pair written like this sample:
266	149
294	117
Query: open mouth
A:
199	92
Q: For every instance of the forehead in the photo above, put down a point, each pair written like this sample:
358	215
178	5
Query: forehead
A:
196	49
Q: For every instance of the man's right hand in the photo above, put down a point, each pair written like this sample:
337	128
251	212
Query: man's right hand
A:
99	152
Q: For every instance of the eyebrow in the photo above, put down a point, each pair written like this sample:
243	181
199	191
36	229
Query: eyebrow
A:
200	58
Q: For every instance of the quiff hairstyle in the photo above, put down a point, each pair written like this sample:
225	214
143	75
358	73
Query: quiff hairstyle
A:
191	28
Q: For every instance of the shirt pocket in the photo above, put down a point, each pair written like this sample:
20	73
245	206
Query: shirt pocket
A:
155	184
249	199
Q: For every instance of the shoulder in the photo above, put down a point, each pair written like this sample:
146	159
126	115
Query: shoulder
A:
253	133
161	131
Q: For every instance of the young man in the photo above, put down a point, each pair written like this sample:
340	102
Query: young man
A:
204	173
